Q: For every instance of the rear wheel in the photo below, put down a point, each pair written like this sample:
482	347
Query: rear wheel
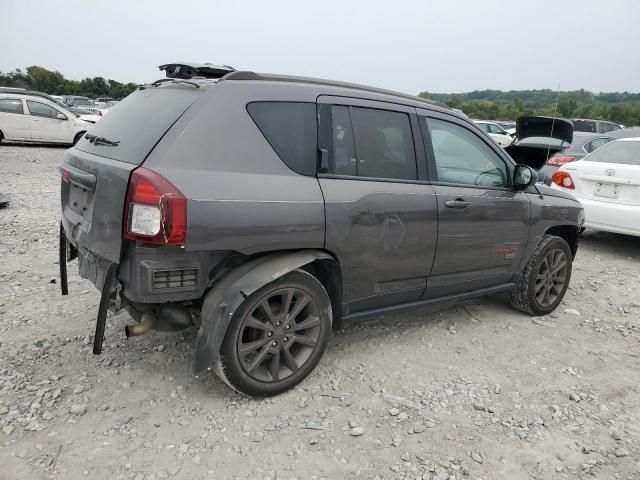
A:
545	279
277	336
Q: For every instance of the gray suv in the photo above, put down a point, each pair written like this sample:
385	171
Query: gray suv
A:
268	210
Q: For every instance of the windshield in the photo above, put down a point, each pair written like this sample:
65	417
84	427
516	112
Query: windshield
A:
625	153
82	101
584	126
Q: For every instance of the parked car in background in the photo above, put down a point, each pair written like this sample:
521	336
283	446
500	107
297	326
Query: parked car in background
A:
495	131
276	208
79	112
629	132
508	125
593	126
582	145
537	138
607	183
34	118
85	103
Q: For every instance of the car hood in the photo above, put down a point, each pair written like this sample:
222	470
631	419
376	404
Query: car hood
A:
544	127
554	192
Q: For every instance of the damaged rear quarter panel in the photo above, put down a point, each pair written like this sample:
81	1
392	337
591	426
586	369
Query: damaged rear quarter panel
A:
224	299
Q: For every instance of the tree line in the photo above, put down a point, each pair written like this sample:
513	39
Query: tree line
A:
53	83
619	107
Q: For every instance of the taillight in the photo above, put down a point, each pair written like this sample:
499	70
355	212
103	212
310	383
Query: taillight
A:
560	160
563	179
155	210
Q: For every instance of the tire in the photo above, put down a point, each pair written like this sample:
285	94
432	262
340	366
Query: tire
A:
530	294
284	335
77	138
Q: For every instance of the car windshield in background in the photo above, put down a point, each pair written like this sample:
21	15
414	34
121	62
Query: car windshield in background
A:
82	101
584	126
622	152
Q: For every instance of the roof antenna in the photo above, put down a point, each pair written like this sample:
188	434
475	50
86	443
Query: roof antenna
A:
553	120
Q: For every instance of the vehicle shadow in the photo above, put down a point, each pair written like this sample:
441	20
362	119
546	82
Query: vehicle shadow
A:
610	244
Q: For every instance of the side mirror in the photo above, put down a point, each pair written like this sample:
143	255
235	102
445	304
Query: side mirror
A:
523	177
61	117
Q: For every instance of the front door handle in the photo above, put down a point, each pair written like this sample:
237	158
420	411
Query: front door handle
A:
457	203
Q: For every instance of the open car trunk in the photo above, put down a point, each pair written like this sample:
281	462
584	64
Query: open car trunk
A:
537	138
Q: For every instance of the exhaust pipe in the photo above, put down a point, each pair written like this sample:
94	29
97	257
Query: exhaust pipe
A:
136	329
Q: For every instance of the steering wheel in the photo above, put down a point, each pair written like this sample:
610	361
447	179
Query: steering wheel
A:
491	172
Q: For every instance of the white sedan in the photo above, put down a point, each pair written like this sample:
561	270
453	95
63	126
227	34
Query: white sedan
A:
495	131
33	118
607	183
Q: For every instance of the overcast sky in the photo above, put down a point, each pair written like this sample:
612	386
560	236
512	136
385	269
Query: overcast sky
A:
410	46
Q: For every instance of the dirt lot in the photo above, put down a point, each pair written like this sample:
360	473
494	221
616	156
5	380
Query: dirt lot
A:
475	391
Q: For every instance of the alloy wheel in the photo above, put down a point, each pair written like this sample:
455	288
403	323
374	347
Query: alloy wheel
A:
278	335
551	277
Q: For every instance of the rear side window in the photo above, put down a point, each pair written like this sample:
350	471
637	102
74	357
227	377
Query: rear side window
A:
8	105
344	149
595	144
139	122
373	143
384	144
290	128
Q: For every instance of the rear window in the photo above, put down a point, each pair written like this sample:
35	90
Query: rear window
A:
624	153
290	128
139	122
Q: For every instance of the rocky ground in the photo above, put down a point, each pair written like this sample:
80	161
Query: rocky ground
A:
476	391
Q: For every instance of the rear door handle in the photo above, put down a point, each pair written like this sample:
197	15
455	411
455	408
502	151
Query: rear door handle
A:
457	203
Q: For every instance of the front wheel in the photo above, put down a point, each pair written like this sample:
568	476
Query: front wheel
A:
277	336
546	277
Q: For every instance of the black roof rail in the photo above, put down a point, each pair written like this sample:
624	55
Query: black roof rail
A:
248	75
187	70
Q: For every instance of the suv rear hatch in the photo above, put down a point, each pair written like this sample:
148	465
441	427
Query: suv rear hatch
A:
96	172
537	138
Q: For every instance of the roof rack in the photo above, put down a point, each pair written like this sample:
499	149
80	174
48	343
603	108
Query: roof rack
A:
248	75
187	70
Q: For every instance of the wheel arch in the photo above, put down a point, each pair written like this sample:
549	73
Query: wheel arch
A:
78	136
569	233
224	298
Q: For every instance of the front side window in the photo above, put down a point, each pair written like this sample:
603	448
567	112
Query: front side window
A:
463	158
290	128
384	144
9	105
484	126
38	109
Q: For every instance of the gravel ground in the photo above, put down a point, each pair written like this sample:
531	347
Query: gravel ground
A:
475	391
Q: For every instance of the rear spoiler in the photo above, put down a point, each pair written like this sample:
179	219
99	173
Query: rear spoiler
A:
186	70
